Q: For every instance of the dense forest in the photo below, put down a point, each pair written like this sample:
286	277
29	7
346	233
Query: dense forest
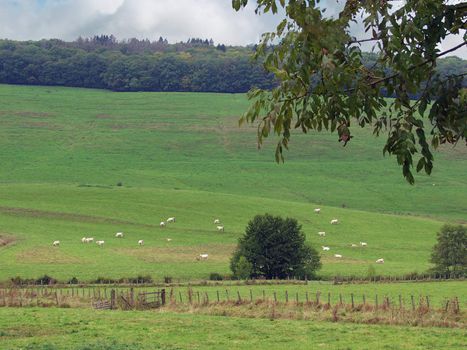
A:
144	65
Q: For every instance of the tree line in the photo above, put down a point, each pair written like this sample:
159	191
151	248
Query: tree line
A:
197	65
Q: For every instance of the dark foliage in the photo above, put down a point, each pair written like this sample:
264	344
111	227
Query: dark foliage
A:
275	248
450	252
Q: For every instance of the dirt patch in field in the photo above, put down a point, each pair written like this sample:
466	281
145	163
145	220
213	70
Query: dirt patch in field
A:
216	252
46	255
105	116
343	260
24	212
27	114
6	240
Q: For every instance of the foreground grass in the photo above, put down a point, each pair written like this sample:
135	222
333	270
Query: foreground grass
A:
32	328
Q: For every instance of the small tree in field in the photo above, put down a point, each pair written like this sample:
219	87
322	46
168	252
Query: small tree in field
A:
450	253
274	247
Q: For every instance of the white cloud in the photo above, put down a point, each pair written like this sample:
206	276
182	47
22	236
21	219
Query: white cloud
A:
175	20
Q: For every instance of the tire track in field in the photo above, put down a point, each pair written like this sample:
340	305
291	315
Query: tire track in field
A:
44	214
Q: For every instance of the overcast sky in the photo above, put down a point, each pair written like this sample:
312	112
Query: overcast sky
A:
175	20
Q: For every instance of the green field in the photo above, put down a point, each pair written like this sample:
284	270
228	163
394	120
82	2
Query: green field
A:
182	154
41	329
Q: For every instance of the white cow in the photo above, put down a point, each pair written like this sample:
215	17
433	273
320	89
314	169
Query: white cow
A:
100	243
380	261
56	243
363	244
217	221
220	228
322	233
140	242
169	239
203	256
83	240
317	210
334	222
89	239
119	235
326	248
353	245
170	220
337	256
162	224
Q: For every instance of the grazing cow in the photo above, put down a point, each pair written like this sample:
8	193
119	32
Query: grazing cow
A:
170	220
140	242
363	244
317	210
100	243
119	235
326	248
337	256
353	245
322	233
220	228
380	261
217	221
162	224
334	222
203	257
83	240
56	243
169	239
89	239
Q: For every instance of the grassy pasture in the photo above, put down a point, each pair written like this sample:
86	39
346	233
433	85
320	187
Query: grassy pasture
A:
180	154
404	242
32	328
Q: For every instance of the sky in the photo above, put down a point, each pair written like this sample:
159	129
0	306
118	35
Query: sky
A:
175	20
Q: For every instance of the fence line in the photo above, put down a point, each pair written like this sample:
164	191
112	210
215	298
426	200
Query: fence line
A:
49	296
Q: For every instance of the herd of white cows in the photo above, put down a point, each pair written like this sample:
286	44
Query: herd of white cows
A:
101	243
353	245
220	228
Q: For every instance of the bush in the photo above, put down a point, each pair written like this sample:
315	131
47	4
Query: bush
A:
274	247
243	268
46	280
167	279
104	280
450	252
140	279
214	276
73	280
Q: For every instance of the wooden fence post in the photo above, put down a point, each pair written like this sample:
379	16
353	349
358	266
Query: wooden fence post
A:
351	296
197	294
286	296
264	295
251	296
376	301
112	299
296	297
329	298
340	298
306	296
413	303
318	293
427	301
163	296
275	297
218	299
238	295
180	296
227	294
364	299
